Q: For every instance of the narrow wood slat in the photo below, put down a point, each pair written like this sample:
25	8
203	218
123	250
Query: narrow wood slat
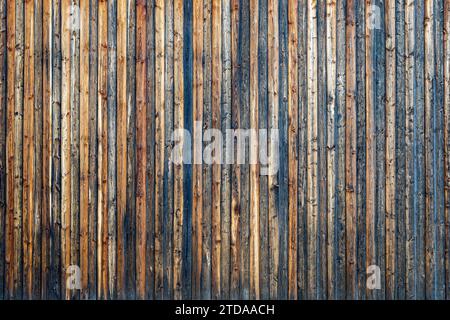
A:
188	122
236	174
262	124
121	143
216	90
429	87
112	147
400	150
197	38
341	163
159	144
73	20
130	222
56	180
206	226
3	142
390	149
93	150
38	149
225	196
46	147
360	151
10	152
102	108
380	138
18	152
283	174
438	154
410	213
168	105
331	147
321	151
312	154
84	147
141	154
273	58
350	151
447	132
150	147
293	144
419	157
28	151
178	190
254	150
302	154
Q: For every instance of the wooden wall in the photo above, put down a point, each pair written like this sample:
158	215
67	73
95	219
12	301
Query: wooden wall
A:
360	93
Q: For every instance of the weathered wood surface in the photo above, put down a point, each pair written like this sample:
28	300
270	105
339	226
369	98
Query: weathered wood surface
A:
91	92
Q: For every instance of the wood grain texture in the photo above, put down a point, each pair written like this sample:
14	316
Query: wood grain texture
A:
3	141
354	99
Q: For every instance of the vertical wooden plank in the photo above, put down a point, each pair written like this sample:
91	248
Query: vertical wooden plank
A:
188	220
3	141
254	149
410	93
121	144
102	117
360	150
374	122
312	154
205	285
84	146
400	265
150	169
46	147
73	19
262	123
141	155
236	174
56	243
10	150
197	29
112	147
340	132
447	133
390	149
350	151
168	212
321	143
28	151
438	156
418	152
273	81
216	72
302	143
19	30
159	144
370	147
244	97
293	145
65	144
331	147
38	151
380	138
93	150
283	173
430	201
130	224
178	123
225	196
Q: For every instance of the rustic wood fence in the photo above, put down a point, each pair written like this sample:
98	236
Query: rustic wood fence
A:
90	92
